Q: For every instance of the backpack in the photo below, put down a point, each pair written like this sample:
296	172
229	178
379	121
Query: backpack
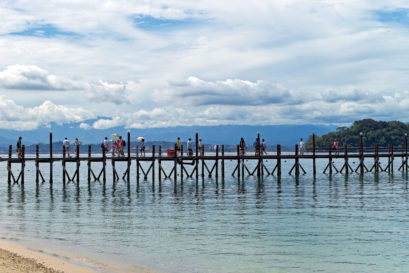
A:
102	145
123	143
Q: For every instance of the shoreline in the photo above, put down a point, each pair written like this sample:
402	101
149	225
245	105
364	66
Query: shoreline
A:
16	257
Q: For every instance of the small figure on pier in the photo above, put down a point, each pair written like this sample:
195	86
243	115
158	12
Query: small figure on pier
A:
143	147
178	146
335	147
301	148
200	147
189	147
263	147
113	147
120	146
66	144
242	146
19	150
77	143
105	145
256	146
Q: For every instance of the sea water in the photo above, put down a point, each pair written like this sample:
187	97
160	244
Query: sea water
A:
332	223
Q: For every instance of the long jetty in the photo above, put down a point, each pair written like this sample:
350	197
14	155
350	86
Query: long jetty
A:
210	165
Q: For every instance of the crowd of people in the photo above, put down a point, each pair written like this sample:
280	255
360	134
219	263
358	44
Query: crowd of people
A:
116	147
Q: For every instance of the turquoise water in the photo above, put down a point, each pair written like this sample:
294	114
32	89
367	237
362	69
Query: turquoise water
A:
330	224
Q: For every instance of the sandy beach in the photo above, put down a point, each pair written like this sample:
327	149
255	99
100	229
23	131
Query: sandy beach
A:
15	258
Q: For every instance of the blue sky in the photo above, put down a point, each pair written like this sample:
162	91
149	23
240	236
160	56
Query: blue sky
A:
141	64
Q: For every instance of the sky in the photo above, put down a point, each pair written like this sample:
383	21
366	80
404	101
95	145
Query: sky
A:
141	64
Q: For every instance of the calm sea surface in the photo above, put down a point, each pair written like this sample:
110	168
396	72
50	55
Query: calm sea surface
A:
330	224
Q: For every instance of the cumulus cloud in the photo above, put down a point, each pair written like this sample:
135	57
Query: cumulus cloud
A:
107	92
227	92
31	77
18	117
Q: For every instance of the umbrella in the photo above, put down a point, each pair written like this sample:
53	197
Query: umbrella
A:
115	135
140	138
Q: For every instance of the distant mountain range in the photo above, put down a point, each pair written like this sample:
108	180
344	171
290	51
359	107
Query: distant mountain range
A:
286	135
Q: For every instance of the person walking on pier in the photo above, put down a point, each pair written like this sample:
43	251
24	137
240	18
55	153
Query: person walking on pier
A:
189	147
143	147
242	146
263	147
113	147
335	147
77	143
256	146
66	144
301	148
105	145
19	148
120	146
200	147
177	146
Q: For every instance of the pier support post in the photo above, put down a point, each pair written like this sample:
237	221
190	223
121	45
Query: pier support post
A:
129	158
314	168
203	163
153	168
137	168
89	163
197	155
376	159
160	164
361	153
51	157
9	165
217	162
77	152
63	164
258	155
181	163
330	159
278	160
222	163
104	163
238	161
37	163
406	152
23	163
297	161
175	169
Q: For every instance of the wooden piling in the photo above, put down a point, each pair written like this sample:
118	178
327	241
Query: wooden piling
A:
278	160
222	167
129	157
406	152
89	163
392	159
77	152
63	164
104	163
153	167
137	167
203	163
51	157
238	161
314	168
37	163
181	163
9	165
258	154
297	162
217	162
23	163
376	159
330	159
175	171
361	154
197	154
346	163
160	163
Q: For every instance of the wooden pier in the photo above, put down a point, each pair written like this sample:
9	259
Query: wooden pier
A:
208	165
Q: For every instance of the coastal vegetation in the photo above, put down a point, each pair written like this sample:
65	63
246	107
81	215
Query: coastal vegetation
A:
374	132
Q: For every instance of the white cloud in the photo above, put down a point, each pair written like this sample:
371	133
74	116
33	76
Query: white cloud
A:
107	92
31	77
228	92
17	117
85	126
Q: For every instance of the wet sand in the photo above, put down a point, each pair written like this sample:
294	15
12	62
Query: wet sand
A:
15	258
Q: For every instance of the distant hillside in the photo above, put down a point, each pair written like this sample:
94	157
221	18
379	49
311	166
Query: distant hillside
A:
374	132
